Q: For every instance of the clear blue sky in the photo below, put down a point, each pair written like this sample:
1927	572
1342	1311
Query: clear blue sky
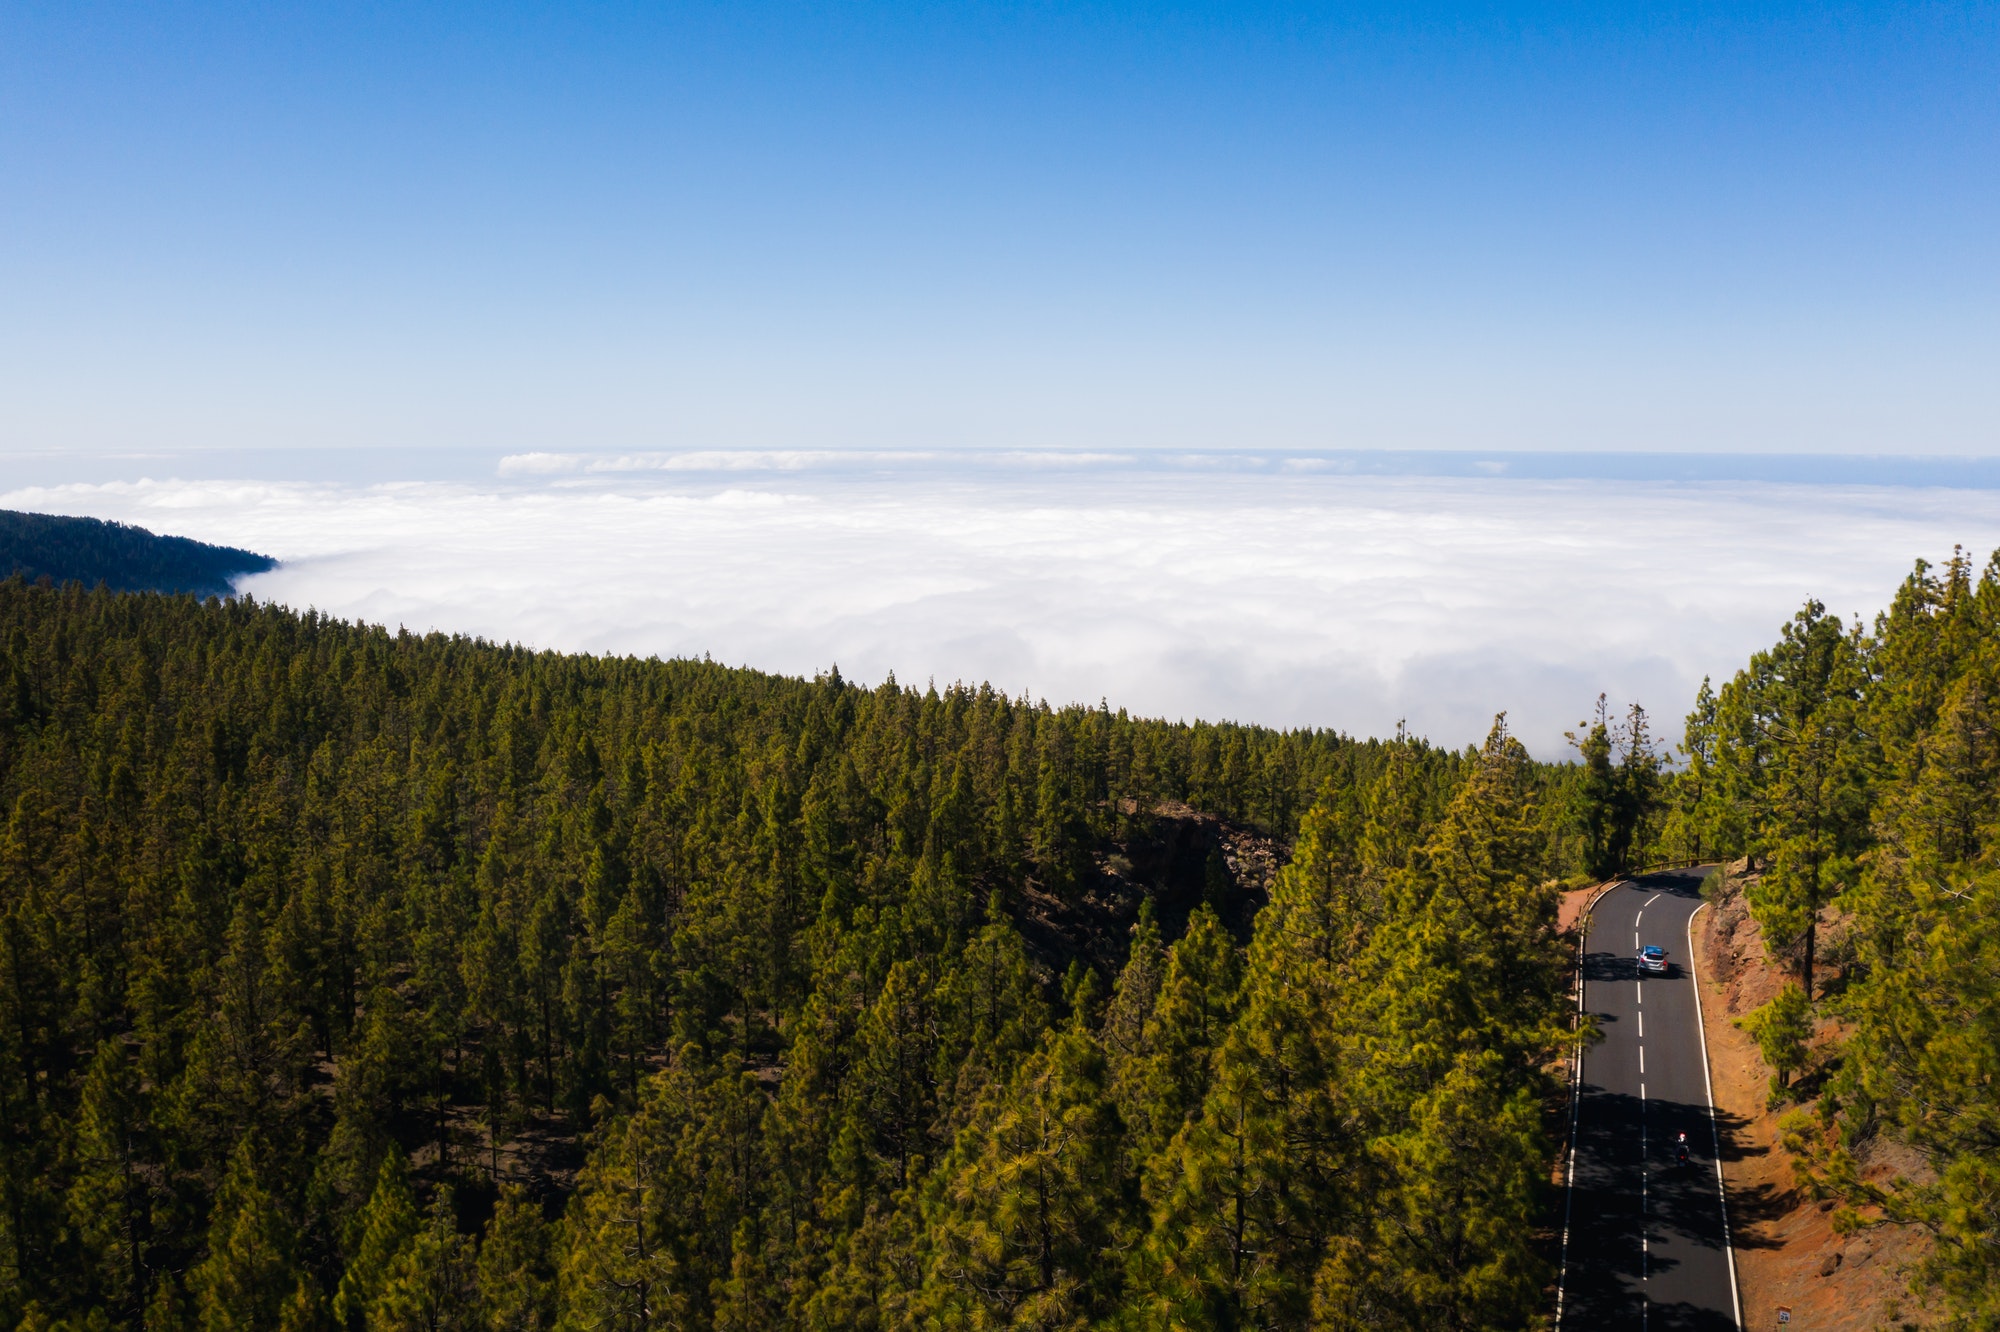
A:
1587	226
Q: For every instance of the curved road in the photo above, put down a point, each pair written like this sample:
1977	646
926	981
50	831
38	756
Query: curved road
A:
1646	1241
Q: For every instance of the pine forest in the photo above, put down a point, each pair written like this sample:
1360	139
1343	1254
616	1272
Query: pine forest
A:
359	980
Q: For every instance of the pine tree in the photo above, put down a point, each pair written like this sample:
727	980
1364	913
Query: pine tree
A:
1246	1195
1781	1029
248	1276
618	1271
430	1285
306	1310
1796	757
991	1007
1237	1218
1701	823
651	1230
1597	796
1133	997
1031	1206
109	1201
1638	790
385	1228
1458	1016
1061	831
516	1286
1396	808
891	1096
1920	1064
1448	1240
1191	1014
371	1084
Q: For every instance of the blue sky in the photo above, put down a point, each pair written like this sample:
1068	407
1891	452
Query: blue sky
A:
1704	227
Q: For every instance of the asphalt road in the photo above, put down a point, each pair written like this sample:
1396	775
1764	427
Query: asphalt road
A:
1646	1240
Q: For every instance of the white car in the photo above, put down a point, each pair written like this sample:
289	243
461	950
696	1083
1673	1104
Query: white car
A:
1653	958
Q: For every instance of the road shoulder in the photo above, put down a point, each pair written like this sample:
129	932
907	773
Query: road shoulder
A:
1786	1250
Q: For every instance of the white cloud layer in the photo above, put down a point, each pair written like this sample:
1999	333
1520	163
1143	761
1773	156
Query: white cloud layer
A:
1336	601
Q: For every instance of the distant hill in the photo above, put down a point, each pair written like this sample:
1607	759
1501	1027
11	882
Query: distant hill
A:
92	551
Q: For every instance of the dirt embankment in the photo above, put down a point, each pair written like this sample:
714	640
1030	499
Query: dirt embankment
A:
1569	912
1787	1253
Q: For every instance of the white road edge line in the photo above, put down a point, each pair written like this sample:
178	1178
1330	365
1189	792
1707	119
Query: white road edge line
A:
1575	1091
1714	1133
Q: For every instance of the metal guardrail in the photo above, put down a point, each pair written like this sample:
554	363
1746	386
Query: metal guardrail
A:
1679	862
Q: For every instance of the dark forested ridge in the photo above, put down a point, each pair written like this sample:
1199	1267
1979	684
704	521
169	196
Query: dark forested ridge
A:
92	551
351	979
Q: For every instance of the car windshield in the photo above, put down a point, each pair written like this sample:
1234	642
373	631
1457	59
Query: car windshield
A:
1655	951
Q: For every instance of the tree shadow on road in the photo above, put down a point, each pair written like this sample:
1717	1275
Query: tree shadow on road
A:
1601	967
1679	883
1688	1318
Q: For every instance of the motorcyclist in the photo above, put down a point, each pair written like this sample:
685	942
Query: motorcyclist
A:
1681	1150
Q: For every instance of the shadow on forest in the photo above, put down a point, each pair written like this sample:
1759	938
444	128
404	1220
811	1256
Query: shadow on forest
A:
1172	856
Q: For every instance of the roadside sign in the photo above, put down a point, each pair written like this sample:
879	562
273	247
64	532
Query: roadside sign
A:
1784	1313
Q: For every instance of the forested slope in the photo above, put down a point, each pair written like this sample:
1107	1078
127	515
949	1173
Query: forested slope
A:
92	551
1859	772
367	980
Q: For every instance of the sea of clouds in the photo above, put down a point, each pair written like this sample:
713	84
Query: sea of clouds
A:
1287	595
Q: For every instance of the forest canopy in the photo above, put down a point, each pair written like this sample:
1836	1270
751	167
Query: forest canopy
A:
362	980
368	980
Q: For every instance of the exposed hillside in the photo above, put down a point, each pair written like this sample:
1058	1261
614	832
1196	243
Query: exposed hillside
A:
1788	1250
91	551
